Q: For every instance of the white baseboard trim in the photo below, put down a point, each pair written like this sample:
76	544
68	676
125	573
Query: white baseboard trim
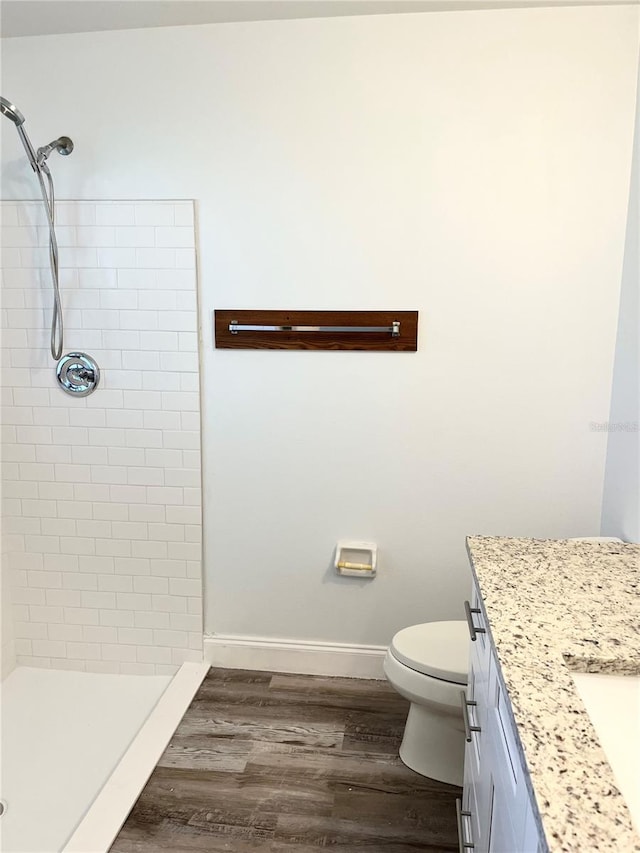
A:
301	656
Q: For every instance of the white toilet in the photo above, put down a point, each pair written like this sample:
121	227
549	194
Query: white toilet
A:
428	665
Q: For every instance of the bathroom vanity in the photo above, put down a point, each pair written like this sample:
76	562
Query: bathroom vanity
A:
536	777
497	808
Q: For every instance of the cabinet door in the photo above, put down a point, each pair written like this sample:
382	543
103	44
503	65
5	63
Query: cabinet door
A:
512	825
515	829
531	841
502	838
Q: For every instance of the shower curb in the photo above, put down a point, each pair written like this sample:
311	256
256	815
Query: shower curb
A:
99	827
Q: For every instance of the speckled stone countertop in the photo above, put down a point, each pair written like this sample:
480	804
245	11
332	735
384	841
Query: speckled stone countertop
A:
554	606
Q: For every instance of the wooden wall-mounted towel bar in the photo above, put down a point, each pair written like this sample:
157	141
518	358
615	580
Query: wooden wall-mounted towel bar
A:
376	331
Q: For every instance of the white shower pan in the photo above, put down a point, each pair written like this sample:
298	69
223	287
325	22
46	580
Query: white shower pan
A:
64	735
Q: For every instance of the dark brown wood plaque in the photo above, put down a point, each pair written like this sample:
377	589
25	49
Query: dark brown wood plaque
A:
381	340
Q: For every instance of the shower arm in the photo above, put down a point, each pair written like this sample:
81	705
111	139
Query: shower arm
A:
63	145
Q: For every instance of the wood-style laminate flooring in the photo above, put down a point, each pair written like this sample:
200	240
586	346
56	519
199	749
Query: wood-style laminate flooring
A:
277	763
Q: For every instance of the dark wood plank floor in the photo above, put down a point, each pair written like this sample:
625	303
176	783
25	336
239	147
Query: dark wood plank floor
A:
277	763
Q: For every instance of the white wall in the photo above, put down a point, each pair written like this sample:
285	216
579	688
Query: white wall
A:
621	503
473	166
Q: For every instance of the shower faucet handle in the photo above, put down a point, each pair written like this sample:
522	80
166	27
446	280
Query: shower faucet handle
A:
78	374
81	375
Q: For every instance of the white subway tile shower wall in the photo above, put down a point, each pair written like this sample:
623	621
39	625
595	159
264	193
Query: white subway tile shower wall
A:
102	495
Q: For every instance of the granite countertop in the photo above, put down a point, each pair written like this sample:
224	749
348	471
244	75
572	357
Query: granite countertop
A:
556	606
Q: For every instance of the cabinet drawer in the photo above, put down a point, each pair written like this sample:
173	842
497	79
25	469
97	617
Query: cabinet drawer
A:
470	798
477	800
473	747
479	673
478	619
477	712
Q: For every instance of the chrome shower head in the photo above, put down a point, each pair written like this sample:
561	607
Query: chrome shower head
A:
11	111
63	145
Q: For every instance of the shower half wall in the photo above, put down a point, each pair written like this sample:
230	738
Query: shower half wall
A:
101	496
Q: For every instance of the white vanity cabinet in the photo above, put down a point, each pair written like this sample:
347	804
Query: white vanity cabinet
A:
496	814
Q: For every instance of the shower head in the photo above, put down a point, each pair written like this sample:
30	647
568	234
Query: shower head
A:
63	145
11	111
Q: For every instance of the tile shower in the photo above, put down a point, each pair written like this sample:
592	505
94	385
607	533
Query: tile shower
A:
101	512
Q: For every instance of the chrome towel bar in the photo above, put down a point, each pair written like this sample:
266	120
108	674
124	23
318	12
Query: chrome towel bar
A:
393	329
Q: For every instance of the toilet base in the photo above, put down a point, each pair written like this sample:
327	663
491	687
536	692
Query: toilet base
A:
433	744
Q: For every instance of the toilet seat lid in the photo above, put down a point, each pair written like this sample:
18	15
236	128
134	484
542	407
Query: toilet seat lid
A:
438	649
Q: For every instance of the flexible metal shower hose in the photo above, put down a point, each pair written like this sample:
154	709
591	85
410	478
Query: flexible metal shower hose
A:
57	325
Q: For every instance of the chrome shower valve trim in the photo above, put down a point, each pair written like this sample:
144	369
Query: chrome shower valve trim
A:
78	374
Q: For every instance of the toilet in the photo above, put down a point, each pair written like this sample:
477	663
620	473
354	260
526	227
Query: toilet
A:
428	665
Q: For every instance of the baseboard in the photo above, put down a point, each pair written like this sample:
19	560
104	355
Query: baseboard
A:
301	656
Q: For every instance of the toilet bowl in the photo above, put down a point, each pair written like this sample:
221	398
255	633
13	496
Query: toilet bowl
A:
428	665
